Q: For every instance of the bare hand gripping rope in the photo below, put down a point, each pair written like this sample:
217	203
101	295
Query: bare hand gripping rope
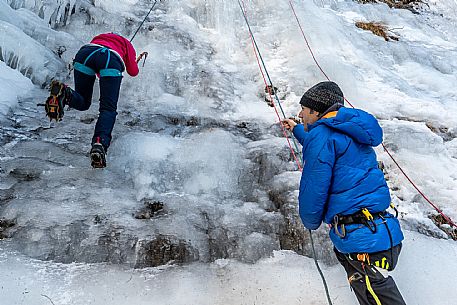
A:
259	56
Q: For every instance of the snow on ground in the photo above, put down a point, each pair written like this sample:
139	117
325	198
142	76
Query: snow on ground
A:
423	275
409	85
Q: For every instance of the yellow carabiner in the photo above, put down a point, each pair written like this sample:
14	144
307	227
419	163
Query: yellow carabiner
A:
367	214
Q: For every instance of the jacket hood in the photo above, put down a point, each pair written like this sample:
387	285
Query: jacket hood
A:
361	126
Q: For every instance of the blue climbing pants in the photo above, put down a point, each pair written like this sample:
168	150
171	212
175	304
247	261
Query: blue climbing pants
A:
88	61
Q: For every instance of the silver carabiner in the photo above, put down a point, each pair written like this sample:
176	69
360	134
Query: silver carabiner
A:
342	233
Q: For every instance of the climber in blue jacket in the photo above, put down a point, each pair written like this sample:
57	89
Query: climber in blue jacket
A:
342	186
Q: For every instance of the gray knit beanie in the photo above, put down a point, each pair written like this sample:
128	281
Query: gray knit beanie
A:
322	96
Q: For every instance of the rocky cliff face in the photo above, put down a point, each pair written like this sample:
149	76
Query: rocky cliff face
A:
220	179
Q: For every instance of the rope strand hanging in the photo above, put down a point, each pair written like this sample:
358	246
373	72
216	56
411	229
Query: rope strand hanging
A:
261	63
437	209
260	59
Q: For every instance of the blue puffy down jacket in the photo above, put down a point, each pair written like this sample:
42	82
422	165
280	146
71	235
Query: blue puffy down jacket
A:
341	176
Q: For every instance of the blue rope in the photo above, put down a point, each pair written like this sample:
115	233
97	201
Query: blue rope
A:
279	103
268	75
261	59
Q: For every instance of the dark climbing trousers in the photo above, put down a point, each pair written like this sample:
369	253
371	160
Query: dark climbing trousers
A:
109	89
367	275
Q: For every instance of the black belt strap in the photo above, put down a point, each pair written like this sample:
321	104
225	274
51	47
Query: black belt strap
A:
356	218
340	221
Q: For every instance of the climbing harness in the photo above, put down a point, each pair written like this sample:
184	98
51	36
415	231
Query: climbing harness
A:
260	60
374	266
131	39
362	217
83	68
437	209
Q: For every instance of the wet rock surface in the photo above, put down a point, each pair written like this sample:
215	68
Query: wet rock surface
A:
164	250
185	181
5	224
149	210
68	212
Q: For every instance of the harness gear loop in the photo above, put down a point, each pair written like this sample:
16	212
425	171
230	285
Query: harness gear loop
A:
395	209
364	217
341	234
369	222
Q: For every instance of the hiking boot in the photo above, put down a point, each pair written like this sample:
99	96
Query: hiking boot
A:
98	156
58	98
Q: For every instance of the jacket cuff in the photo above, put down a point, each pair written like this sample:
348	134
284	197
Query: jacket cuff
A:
299	132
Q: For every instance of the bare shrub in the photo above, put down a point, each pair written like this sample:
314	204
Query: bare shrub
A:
376	28
412	5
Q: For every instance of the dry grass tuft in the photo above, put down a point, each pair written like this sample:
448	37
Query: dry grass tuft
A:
412	5
376	28
440	221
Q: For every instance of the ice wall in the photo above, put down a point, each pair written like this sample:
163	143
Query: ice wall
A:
14	85
194	133
31	46
23	53
53	12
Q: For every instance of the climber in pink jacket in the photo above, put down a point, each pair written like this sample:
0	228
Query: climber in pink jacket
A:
122	47
107	56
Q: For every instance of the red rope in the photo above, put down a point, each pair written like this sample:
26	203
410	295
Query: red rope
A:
447	218
307	43
450	222
271	98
